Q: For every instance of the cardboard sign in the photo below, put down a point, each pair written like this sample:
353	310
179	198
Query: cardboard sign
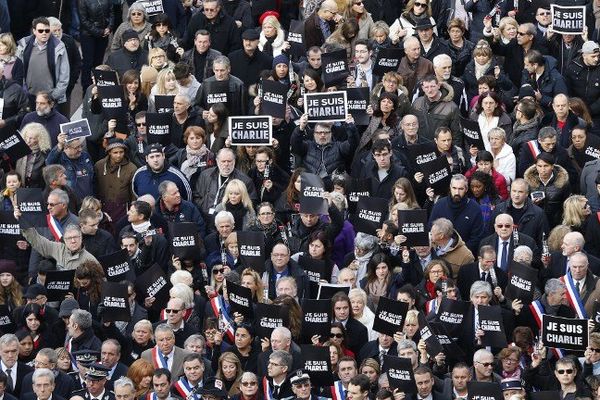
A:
388	59
240	299
358	188
7	324
10	231
76	129
316	319
389	317
268	317
317	363
251	246
111	100
432	343
328	290
115	302
335	67
371	212
164	103
437	174
451	315
185	240
152	7
316	272
413	225
358	101
490	322
295	38
521	283
158	128
116	266
484	391
13	144
564	333
274	98
217	92
106	78
326	107
471	133
400	373
421	154
596	316
312	191
59	284
32	206
251	130
449	344
153	283
568	20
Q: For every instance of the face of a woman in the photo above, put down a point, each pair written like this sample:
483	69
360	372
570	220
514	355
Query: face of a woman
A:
386	105
12	182
266	215
309	83
316	249
564	378
578	138
410	329
63	363
281	70
297	183
336	335
158	61
170	83
482	59
26	346
370	373
436	273
249	386
485	166
381	271
488	105
32	322
477	188
380	37
420	7
3	49
32	141
358	6
212	116
248	281
269	30
194	141
229	370
455	34
510	363
242	339
333	355
145	382
132	87
162	29
6	279
84	282
399	194
585	206
357	306
390	85
496	141
142	335
510	31
235	197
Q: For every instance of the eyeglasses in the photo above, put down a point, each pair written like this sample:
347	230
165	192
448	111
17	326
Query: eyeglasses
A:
136	14
50	205
436	271
564	371
275	364
210	10
511	360
161	24
246	384
43	30
140	123
503	226
523	33
71	238
265	214
171	311
423	5
544	13
358	3
216	271
336	335
487	364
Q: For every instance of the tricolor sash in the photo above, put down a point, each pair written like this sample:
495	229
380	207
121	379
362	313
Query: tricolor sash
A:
55	228
151	396
267	391
431	306
158	360
532	144
68	347
220	310
573	295
337	391
538	310
184	389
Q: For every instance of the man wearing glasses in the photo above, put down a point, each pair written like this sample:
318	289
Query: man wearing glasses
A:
320	24
276	386
174	312
225	34
483	367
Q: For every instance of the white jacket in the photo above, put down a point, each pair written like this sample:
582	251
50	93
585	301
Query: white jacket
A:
505	163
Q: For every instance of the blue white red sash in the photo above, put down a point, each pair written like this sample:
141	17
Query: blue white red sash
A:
184	389
158	359
267	391
431	306
220	310
538	310
532	144
152	396
68	347
337	391
573	295
55	228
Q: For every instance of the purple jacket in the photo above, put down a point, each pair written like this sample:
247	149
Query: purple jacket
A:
343	244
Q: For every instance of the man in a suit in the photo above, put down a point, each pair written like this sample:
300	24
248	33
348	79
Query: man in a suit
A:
138	312
165	354
276	383
484	269
424	380
110	355
193	376
506	239
359	388
14	370
63	383
376	349
175	309
584	282
356	332
43	386
281	339
558	264
3	394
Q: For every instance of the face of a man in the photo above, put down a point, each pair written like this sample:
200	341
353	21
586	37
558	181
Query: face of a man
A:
73	240
431	89
354	393
412	51
458	190
180	105
175	314
578	267
409	353
523	36
424	384
56	207
591	59
487	261
314	59
280	256
124	393
116	155
109	355
444	142
132	44
161	386
95	387
518	193
89	226
42	33
9	353
172	197
460	377
302	390
560	105
276	368
250	46
202	43
42	106
341	310
43	387
383	158
548	144
480	299
542	16
221	71
211	10
485	366
444	69
156	161
346	371
568	246
363	55
503	227
165	341
226	163
322	135
130	245
193	370
425	35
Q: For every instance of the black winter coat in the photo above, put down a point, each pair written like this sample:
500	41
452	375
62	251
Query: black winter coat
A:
224	33
95	16
584	82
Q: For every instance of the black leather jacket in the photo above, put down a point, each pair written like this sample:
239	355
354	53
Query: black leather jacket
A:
96	16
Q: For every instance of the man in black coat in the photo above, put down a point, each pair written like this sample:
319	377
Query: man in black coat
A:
583	78
383	172
63	383
224	32
562	119
356	332
281	265
44	384
558	264
281	339
484	269
376	349
248	62
14	370
131	56
110	356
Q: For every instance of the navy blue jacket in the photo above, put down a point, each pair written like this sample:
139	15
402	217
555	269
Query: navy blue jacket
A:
466	217
186	212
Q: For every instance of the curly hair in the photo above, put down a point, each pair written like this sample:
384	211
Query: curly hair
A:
93	271
294	311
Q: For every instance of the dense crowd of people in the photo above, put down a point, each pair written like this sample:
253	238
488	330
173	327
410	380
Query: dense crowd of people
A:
527	197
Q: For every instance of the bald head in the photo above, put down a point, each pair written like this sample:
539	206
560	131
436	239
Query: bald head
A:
412	48
572	243
148	198
328	10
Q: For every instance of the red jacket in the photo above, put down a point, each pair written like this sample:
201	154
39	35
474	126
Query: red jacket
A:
498	180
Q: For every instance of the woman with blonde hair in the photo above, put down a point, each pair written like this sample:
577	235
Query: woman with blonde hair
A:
355	9
411	326
166	84
508	27
251	279
371	368
30	167
404	26
272	37
576	211
555	237
403	192
237	201
11	66
230	372
392	82
140	372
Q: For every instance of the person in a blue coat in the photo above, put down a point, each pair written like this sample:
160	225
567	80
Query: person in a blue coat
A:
541	73
79	168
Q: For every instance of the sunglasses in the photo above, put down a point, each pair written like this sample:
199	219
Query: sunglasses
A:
522	33
141	124
171	311
421	5
336	335
43	30
564	371
137	14
216	271
503	226
486	365
544	13
358	3
161	24
246	384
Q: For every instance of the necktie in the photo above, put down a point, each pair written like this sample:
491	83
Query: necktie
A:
483	276
276	391
167	361
381	354
504	257
9	382
578	287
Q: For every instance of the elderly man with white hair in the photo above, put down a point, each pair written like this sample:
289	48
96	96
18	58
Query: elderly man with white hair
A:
413	67
9	364
559	261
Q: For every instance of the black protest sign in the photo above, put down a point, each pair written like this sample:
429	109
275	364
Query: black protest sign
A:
251	246
316	271
312	191
274	98
564	333
335	67
106	78
153	283
521	283
545	395
316	318
295	38
484	391
240	299
268	317
328	290
370	214
10	231
115	302
317	363
451	315
421	154
437	174
471	133
413	225
400	373
432	343
158	128
59	284
30	202
449	344
326	107
251	130
389	316
358	101
388	59
216	92
358	188
490	322
116	266
590	153
568	20
185	240
111	100
163	103
13	144
152	7
7	325
76	129
596	316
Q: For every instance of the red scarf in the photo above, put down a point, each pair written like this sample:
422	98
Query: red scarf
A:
430	287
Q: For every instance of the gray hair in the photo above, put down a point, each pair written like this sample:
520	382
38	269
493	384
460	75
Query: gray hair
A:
580	254
445	226
163	186
184	293
480	287
224	215
194	338
248	375
42	373
480	353
123	382
498	131
365	241
74	142
547	132
523	252
54	21
553	285
283	331
7	339
358	293
410	40
73	227
284	358
50	354
115	343
437	60
164	328
576	238
63	197
406	344
289	279
223	60
460	177
185	97
505	215
82	318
